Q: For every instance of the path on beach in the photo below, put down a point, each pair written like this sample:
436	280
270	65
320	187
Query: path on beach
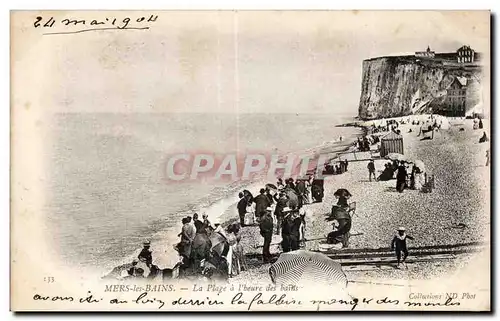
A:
461	196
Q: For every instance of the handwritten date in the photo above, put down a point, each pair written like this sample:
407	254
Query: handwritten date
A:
124	23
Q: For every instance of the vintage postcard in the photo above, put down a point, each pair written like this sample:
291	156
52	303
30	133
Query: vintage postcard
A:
250	161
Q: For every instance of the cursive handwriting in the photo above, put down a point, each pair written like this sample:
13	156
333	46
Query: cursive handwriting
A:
76	25
259	300
248	301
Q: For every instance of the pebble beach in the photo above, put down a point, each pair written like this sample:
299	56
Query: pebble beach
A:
461	196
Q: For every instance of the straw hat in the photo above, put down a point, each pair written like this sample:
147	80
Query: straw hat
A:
401	229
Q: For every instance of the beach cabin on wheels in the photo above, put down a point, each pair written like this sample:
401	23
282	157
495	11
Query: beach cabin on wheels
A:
391	143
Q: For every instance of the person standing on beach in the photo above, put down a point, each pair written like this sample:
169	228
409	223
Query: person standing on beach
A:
290	232
188	233
301	190
261	203
242	208
198	225
371	170
487	157
281	203
399	244
206	223
146	255
401	178
266	231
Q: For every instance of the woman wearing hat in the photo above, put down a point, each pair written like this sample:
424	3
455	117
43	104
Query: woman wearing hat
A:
399	244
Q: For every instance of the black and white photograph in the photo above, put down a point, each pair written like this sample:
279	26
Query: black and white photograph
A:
238	160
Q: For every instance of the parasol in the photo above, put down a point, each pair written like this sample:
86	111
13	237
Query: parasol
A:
272	188
342	192
306	267
293	199
219	243
248	195
420	165
396	156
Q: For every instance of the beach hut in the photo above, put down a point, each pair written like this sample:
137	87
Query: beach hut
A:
391	143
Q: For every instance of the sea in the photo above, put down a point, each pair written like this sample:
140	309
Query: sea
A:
106	186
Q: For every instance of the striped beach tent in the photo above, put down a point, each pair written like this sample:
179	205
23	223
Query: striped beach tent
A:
391	143
303	267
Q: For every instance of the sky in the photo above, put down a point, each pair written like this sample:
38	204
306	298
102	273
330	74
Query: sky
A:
225	61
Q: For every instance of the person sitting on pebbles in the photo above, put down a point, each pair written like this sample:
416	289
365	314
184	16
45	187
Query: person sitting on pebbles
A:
399	244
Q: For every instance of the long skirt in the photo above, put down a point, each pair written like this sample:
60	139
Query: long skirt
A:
341	235
229	259
240	256
419	181
400	185
235	262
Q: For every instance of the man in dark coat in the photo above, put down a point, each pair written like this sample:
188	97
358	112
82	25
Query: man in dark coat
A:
317	189
242	208
301	191
371	170
290	231
266	231
269	196
281	203
401	178
261	203
198	224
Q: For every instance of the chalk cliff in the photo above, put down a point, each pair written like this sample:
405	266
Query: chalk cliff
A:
404	85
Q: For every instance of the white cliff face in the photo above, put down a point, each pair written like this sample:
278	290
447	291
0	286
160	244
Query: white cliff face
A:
398	86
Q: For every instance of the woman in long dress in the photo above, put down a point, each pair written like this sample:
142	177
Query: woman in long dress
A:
239	255
233	257
309	190
419	178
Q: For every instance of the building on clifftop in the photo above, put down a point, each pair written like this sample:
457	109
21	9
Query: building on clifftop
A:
465	54
425	54
447	83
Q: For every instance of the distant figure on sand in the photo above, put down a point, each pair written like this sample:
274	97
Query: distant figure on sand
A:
317	188
483	138
487	158
401	178
476	125
371	170
480	123
399	244
387	174
242	208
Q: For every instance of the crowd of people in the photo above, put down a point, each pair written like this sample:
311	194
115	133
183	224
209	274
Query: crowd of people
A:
212	251
408	175
141	268
336	169
279	209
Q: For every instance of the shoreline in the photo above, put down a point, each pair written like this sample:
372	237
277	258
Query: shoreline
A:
222	210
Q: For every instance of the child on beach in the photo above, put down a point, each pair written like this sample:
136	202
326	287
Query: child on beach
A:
399	244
